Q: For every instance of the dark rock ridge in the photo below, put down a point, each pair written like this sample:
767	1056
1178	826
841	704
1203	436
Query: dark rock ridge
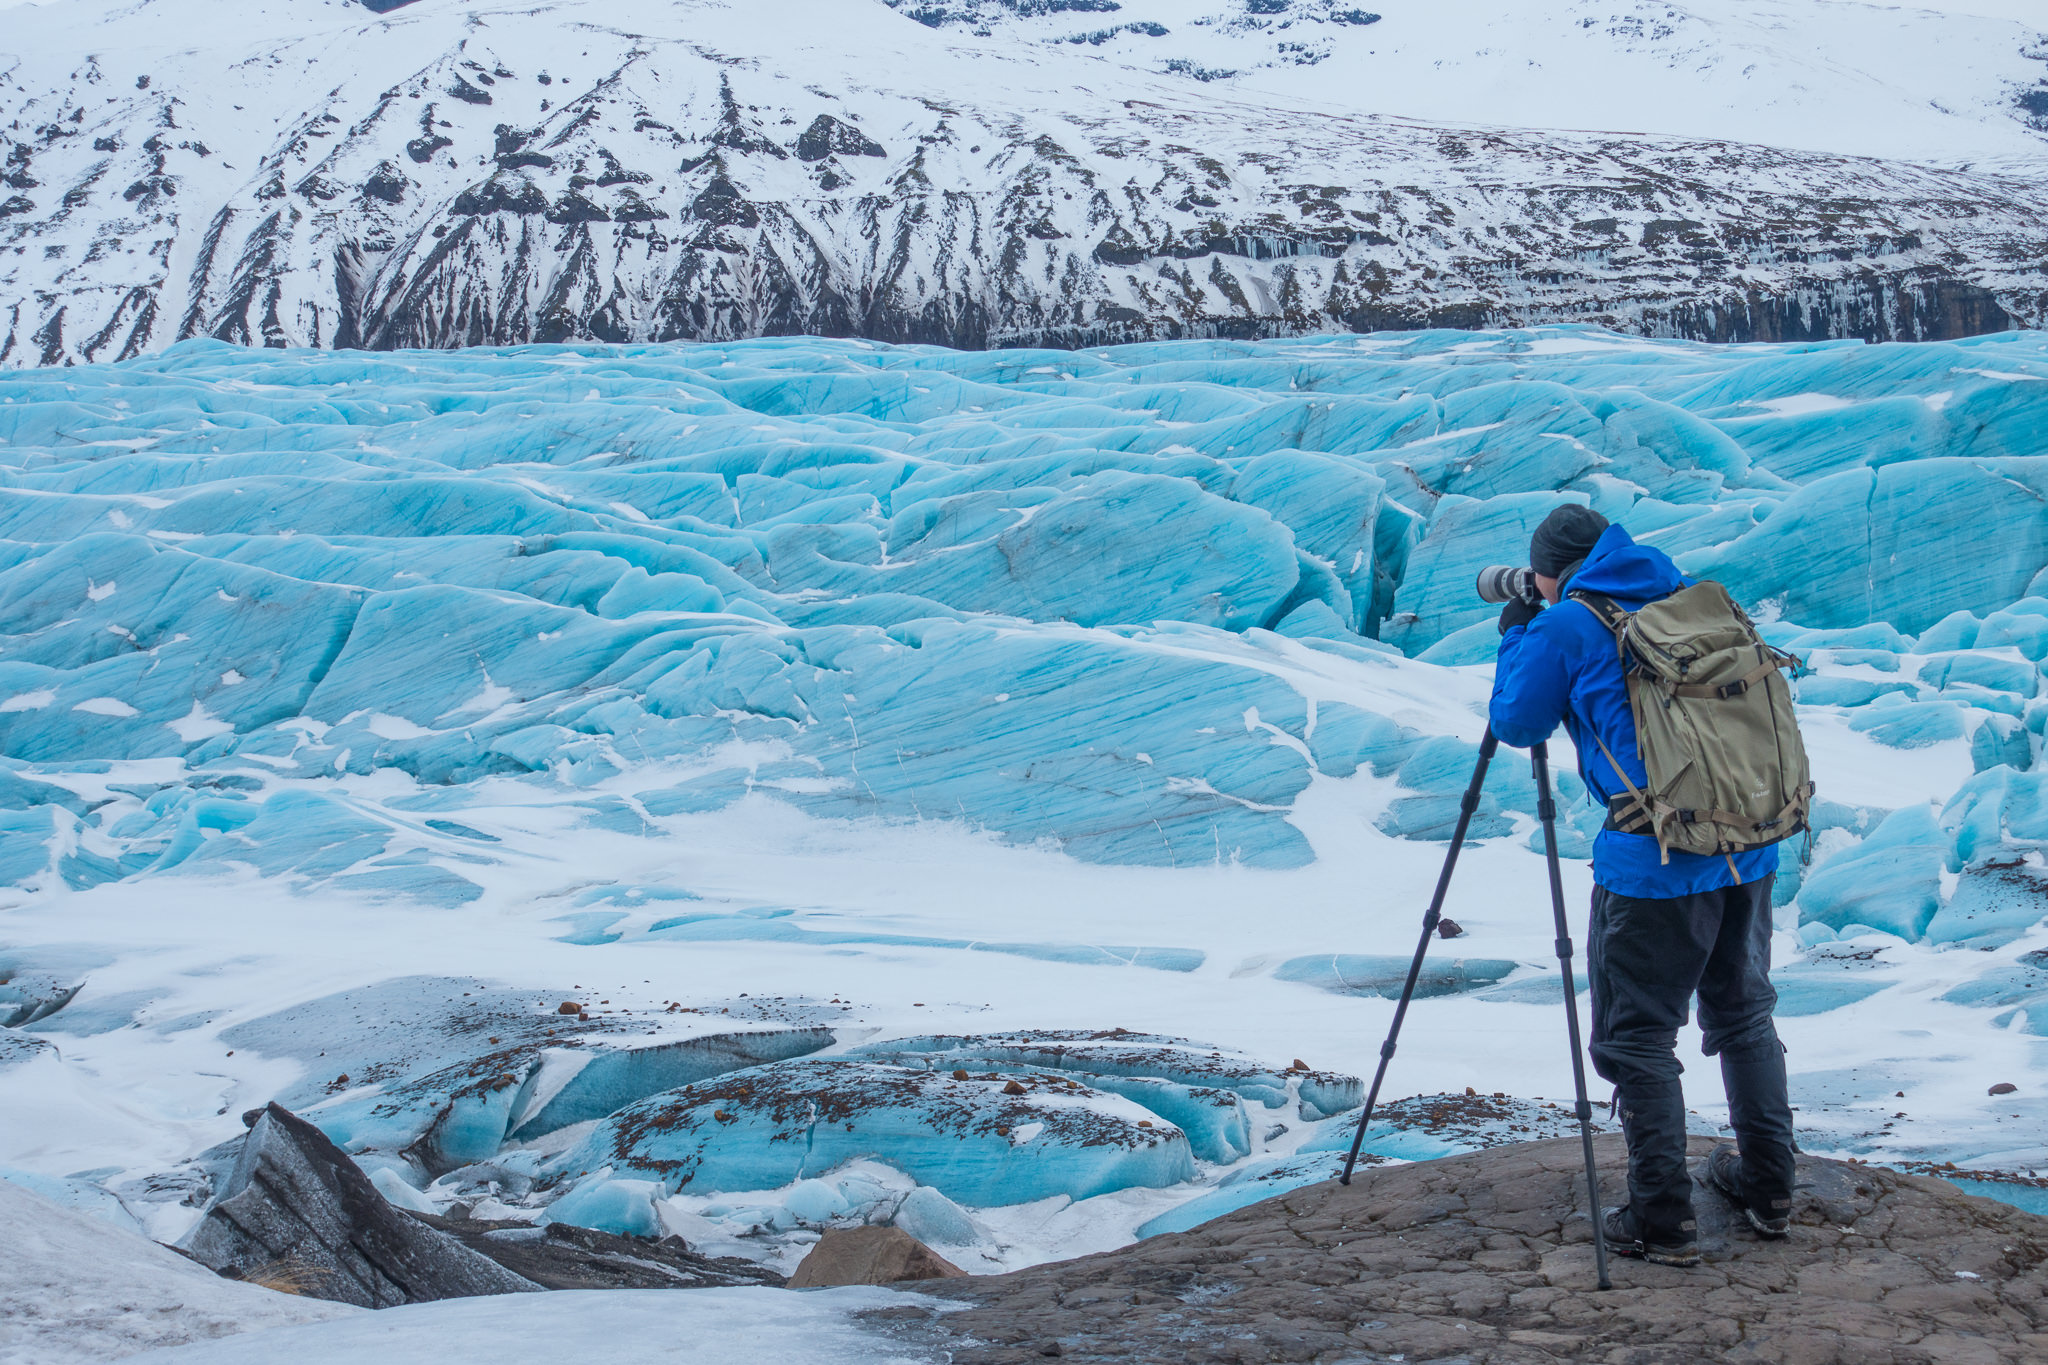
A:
299	1215
1487	1259
671	195
559	1256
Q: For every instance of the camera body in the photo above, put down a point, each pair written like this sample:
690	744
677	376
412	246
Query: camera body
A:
1506	582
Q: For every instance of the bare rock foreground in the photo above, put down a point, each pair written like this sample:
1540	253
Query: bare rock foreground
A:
1487	1259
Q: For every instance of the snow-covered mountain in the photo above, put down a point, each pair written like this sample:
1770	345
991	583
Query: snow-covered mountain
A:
977	172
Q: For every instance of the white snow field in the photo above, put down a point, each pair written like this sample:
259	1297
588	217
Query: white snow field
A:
850	736
74	1287
759	1326
1930	81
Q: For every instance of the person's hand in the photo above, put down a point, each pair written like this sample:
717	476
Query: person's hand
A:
1519	611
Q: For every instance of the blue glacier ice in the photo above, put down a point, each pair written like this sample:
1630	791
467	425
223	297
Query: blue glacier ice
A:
1199	1089
625	1207
936	1220
979	1140
564	562
444	1072
1891	881
353	625
468	1112
1416	1129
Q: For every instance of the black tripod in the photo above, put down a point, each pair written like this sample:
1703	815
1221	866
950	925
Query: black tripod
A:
1546	810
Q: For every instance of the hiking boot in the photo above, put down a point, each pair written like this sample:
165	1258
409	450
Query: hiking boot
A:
1724	1173
1659	1185
1623	1240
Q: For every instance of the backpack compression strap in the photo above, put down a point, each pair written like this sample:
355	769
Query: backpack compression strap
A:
1729	691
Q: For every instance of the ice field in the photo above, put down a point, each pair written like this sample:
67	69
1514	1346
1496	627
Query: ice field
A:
734	790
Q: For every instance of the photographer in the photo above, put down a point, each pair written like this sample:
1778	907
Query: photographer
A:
1666	923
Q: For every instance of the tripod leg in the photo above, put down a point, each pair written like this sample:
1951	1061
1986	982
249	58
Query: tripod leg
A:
1466	806
1546	810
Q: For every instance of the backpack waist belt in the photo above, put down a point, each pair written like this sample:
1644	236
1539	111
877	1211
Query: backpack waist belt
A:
1625	815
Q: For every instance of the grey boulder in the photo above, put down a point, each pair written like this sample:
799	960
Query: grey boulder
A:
297	1214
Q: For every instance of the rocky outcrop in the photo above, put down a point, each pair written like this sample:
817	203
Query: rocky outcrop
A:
297	1214
559	1256
1487	1259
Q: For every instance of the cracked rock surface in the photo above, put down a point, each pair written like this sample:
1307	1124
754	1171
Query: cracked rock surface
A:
1488	1259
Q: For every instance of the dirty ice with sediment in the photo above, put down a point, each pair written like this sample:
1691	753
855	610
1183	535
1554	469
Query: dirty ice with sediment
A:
740	790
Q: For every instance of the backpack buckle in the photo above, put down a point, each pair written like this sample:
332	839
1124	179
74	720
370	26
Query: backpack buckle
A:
1730	690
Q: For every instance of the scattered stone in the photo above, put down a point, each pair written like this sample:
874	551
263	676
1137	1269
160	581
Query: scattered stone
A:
560	1256
1449	928
2003	1088
568	1007
871	1255
1013	1088
298	1215
1487	1258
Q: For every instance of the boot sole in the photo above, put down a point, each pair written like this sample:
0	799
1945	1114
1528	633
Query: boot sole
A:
1760	1226
1637	1251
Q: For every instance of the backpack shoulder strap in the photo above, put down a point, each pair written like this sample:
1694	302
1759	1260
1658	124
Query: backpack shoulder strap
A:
1610	614
1604	607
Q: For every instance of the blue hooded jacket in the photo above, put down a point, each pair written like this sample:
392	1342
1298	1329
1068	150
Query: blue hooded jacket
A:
1563	666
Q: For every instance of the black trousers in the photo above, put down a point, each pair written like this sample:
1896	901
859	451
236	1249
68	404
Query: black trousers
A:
1645	959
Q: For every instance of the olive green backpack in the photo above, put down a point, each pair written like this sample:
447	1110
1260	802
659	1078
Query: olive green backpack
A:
1714	724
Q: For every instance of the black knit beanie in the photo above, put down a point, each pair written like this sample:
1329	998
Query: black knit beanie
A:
1564	538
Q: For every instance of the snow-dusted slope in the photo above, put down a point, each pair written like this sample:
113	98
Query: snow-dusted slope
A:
453	173
1934	80
75	1288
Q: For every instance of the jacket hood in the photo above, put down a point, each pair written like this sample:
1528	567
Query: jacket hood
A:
1629	573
